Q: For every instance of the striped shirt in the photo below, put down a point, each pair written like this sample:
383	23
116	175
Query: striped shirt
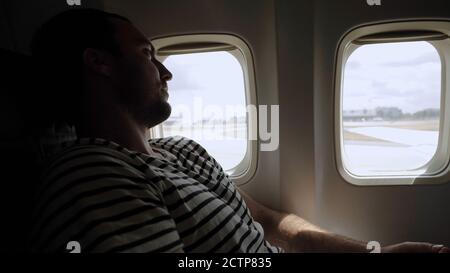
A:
111	199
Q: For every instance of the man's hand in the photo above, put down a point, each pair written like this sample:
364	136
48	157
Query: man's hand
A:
413	247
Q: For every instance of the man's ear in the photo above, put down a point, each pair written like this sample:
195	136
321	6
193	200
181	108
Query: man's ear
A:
98	61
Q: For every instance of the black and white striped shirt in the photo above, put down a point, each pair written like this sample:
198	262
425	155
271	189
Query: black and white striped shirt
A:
111	199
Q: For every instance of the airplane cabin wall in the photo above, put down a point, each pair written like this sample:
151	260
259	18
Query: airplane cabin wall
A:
295	89
386	214
23	17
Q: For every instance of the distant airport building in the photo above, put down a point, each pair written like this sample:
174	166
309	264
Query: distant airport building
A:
359	115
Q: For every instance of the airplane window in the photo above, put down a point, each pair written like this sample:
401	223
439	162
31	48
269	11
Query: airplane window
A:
391	108
207	94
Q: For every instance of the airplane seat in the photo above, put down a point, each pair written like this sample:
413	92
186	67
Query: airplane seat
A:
17	151
24	144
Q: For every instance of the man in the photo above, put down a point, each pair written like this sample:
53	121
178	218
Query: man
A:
112	190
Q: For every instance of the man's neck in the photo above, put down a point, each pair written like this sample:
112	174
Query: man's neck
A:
117	126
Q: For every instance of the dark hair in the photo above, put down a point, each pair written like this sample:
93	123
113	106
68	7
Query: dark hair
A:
58	47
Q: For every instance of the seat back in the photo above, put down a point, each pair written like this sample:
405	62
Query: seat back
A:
20	155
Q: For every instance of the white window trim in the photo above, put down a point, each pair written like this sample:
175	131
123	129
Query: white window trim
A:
345	49
245	170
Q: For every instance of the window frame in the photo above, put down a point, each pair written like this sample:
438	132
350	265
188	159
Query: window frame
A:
442	156
246	169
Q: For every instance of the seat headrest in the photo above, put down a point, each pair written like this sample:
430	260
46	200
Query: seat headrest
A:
21	107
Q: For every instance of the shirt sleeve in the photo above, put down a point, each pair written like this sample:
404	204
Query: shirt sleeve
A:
103	204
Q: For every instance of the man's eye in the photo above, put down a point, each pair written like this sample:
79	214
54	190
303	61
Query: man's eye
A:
148	52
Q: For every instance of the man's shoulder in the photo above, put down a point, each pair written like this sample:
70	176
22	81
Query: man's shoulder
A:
187	150
91	146
177	143
93	151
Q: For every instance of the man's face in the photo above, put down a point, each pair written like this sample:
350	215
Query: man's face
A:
140	78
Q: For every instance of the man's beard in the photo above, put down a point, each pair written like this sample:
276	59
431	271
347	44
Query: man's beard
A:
152	115
146	111
157	114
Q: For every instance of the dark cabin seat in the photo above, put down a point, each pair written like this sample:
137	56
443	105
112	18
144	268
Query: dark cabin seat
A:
24	146
19	156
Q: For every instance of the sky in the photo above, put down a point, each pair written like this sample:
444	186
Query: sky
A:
215	78
406	75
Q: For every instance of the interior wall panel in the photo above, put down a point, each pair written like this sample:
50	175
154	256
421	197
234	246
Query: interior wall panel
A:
387	214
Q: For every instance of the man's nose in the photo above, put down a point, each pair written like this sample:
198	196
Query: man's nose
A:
164	72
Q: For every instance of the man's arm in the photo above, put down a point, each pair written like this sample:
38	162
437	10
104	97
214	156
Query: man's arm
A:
294	234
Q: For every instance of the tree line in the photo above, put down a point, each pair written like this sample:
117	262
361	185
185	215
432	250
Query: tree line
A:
395	113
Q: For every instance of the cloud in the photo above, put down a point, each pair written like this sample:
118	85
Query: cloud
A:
353	65
387	75
181	78
430	57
